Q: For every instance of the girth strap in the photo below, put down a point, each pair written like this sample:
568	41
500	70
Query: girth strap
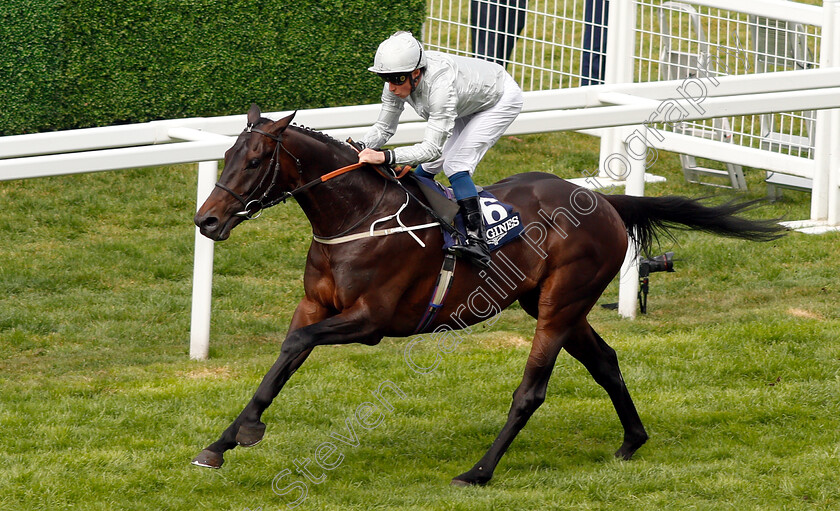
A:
444	282
373	234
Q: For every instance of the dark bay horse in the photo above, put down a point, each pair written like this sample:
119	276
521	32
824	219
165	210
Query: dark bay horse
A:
573	245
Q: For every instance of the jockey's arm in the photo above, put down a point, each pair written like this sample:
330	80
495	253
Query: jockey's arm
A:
429	149
441	122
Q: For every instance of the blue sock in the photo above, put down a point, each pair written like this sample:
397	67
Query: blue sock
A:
462	185
421	172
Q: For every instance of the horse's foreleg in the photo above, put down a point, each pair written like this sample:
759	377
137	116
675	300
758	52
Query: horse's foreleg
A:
247	429
602	363
526	399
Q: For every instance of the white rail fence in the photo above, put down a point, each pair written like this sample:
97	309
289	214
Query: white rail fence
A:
619	103
560	43
564	43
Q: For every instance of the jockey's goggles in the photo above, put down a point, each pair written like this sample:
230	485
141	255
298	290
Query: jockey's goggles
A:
395	78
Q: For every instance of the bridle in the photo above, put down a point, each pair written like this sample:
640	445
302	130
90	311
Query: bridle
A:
274	171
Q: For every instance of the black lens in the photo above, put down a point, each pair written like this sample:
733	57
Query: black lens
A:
664	262
396	78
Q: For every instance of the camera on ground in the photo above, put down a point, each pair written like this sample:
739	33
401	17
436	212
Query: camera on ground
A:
664	262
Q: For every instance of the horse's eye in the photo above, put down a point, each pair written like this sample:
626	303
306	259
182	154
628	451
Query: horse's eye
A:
253	163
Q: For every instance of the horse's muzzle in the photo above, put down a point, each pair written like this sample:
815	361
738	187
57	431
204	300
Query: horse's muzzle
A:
211	227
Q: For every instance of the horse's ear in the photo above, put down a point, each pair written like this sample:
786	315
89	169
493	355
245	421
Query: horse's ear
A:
281	125
285	121
254	114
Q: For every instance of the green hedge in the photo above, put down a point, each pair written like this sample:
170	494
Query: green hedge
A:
30	60
78	63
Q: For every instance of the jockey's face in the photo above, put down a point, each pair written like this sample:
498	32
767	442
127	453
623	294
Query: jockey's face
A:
404	89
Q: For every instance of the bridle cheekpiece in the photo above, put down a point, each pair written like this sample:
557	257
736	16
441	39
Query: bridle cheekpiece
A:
273	170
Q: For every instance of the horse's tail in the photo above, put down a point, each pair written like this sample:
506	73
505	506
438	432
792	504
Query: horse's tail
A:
648	217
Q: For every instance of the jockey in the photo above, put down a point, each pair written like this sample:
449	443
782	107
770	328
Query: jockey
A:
468	103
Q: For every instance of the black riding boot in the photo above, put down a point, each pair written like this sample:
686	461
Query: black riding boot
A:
475	247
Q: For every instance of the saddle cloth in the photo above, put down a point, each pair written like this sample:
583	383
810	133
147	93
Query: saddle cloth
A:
502	223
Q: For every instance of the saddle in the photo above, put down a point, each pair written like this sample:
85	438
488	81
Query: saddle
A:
502	223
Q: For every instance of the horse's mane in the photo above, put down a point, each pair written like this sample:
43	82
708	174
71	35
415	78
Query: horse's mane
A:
317	135
321	137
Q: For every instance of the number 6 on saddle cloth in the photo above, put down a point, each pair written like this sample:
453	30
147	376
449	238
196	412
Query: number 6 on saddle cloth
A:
502	222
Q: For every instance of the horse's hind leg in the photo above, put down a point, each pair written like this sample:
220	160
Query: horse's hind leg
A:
602	363
526	399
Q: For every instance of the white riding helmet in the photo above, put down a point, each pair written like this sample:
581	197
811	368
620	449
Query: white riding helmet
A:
400	53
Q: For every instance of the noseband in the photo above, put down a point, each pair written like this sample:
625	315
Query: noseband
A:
273	170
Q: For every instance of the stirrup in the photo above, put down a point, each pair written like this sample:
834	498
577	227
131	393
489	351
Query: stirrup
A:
473	251
474	247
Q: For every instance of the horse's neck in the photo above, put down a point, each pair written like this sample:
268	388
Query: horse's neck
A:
336	204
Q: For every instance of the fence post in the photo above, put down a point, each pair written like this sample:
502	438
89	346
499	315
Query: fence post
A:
621	52
833	206
628	288
822	128
202	270
613	71
832	199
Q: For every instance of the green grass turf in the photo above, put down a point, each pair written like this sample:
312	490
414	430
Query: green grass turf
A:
735	370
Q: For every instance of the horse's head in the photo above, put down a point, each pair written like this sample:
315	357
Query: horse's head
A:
258	168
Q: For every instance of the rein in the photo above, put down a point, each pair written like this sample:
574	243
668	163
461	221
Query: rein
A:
274	170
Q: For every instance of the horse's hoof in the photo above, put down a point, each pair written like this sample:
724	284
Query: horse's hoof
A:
208	459
249	436
630	446
470	479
